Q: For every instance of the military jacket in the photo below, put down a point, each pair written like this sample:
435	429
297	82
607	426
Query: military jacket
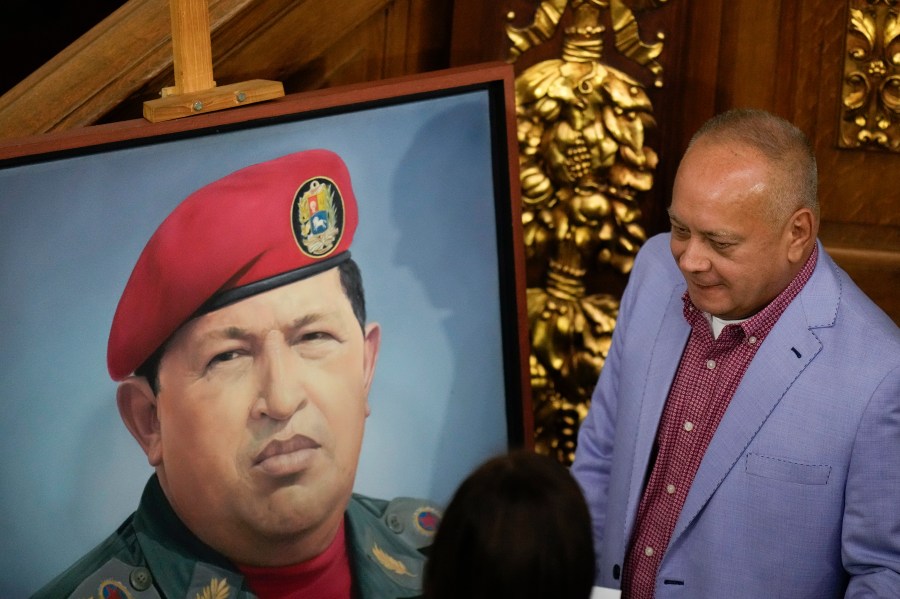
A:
154	555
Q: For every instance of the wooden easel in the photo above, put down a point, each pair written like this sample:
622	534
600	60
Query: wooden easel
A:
195	91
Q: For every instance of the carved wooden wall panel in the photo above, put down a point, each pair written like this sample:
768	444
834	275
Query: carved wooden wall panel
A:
859	189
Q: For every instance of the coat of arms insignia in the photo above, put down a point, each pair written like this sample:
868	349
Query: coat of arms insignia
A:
317	217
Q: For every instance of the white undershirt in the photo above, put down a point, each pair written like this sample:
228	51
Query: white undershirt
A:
718	324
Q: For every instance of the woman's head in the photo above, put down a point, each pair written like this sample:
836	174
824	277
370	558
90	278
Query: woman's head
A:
518	526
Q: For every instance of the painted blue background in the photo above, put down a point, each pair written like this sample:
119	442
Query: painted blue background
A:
71	230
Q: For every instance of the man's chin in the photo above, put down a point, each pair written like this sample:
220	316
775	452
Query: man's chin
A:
300	504
710	299
288	513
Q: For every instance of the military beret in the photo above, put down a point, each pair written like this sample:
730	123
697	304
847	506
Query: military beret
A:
260	227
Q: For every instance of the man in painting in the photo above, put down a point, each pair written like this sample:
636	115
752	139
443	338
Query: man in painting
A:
244	363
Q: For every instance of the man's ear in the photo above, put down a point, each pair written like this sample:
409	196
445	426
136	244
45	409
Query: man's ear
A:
372	342
801	232
137	407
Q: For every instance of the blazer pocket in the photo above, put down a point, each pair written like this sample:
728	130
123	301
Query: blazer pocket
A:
787	470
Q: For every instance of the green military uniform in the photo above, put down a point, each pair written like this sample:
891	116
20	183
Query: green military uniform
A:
154	555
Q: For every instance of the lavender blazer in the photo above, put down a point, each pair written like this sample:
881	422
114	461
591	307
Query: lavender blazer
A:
798	494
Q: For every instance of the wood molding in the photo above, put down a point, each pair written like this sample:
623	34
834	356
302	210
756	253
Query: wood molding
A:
126	59
96	72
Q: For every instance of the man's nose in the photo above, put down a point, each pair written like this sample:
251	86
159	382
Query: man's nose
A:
694	256
281	392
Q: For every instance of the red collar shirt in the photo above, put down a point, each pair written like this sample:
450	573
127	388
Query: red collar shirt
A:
326	576
707	378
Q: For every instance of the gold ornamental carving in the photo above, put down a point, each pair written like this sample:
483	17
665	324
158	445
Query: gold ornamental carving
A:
870	107
581	126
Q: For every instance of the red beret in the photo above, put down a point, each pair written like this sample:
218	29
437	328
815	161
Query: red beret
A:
260	227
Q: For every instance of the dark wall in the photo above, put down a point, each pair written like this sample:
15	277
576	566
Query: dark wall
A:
31	33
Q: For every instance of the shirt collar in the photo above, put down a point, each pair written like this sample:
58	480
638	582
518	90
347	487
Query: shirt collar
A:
182	564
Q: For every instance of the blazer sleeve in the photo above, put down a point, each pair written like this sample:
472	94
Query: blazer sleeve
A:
870	543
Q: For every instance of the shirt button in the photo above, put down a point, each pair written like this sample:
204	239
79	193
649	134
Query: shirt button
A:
140	579
670	489
752	340
710	364
688	425
394	523
648	551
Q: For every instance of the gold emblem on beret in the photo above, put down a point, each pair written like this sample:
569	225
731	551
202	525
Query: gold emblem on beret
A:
317	217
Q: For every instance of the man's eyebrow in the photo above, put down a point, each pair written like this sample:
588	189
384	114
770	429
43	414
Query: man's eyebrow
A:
230	332
708	234
671	212
306	320
239	333
672	217
728	235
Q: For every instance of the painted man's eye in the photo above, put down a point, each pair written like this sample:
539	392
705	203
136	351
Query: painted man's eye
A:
223	357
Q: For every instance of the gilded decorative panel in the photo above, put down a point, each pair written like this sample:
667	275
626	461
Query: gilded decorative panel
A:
584	163
870	106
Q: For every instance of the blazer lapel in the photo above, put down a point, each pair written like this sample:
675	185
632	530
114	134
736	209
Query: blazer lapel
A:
672	336
785	352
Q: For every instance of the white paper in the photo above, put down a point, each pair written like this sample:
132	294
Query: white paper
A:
605	593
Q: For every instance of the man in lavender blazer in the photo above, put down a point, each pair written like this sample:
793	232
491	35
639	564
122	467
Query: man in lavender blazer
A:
798	491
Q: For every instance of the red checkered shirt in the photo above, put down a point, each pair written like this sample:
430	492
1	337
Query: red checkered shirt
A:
707	377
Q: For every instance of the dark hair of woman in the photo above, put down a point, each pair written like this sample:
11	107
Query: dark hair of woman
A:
518	528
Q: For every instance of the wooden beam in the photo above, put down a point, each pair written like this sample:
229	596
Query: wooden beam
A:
195	90
191	47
